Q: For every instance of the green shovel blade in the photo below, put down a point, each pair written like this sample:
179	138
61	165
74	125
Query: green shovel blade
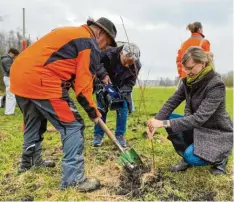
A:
130	157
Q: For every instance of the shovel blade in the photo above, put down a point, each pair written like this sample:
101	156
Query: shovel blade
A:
130	157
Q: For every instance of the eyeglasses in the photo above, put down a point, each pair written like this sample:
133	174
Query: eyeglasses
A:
189	68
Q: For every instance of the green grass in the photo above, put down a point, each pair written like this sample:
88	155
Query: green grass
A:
43	184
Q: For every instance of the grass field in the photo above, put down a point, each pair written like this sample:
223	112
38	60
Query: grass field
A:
195	183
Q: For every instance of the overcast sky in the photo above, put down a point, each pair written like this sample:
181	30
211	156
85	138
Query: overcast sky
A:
157	27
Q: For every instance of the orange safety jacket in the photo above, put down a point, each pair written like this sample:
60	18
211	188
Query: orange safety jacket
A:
46	68
196	39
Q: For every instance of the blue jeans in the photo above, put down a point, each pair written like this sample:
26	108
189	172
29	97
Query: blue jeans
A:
183	144
193	159
121	121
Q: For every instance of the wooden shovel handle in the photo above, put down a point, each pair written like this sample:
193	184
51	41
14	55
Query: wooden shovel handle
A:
110	134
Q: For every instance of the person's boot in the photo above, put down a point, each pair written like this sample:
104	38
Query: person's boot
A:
121	140
26	160
38	161
181	166
30	157
97	141
219	168
90	184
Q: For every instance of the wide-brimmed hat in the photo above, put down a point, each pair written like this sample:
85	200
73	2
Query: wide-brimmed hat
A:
107	26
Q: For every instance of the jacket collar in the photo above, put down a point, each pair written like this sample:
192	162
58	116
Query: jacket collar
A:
89	30
197	34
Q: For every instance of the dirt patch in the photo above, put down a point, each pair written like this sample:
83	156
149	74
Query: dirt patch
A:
204	196
6	178
48	195
27	198
132	186
8	175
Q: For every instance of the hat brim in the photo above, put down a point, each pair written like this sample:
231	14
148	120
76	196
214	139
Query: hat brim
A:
90	22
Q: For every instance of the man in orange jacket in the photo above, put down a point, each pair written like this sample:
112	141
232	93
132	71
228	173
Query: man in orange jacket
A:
197	39
41	77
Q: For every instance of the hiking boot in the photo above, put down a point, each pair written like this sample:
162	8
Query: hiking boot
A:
23	168
48	164
38	161
32	157
181	166
97	142
219	168
90	184
121	140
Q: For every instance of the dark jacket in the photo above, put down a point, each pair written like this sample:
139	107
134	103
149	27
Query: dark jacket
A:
122	77
6	64
205	114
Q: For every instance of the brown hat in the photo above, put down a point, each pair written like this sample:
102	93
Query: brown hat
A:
107	26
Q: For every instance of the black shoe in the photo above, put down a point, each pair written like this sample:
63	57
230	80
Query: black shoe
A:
181	166
48	164
32	157
23	169
219	168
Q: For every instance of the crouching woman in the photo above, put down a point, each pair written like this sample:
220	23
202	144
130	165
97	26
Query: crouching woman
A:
204	135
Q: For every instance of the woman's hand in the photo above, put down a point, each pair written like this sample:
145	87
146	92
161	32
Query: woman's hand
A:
150	134
154	124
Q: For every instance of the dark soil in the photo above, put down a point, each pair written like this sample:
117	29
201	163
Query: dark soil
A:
27	198
204	196
132	187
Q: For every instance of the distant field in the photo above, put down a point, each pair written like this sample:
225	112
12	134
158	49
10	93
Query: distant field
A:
43	184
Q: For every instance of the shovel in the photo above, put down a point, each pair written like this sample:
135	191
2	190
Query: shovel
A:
128	157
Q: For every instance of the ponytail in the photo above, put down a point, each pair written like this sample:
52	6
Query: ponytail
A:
194	27
190	27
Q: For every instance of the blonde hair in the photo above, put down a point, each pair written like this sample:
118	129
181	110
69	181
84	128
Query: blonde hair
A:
198	55
194	27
